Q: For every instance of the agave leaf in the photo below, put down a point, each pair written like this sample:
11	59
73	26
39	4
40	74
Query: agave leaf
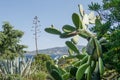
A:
76	21
72	47
53	31
68	28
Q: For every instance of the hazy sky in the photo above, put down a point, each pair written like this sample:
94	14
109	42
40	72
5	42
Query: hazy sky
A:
20	14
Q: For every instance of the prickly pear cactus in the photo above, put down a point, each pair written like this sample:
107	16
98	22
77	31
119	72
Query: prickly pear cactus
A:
89	64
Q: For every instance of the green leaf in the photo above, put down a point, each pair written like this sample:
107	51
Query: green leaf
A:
98	48
53	31
56	75
98	22
89	73
72	47
76	21
90	46
68	28
101	66
66	76
93	65
76	56
81	71
84	60
54	67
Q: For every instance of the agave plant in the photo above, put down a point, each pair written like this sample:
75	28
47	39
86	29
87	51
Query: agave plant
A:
19	66
88	64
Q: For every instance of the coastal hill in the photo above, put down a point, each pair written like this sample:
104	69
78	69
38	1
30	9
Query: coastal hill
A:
53	52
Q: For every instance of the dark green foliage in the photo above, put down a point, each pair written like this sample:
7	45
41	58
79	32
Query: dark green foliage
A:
73	71
112	57
40	61
94	6
48	66
9	42
110	30
101	29
56	75
37	76
54	71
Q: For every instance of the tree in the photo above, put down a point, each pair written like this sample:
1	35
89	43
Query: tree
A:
9	42
109	12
